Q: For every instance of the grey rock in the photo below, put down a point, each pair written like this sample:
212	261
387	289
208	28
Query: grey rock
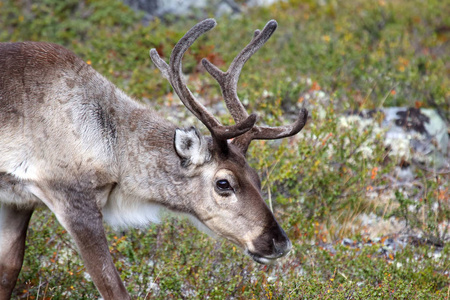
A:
196	8
347	242
423	131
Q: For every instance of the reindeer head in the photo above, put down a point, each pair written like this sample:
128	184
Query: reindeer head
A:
234	207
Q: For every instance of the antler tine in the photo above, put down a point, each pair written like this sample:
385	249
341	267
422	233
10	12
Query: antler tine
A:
228	80
271	133
228	84
173	72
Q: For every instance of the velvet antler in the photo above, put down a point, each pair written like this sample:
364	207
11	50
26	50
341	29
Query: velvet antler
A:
228	83
245	130
173	72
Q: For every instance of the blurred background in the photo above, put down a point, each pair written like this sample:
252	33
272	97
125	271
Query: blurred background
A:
362	191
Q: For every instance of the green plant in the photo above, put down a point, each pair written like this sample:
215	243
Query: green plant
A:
426	208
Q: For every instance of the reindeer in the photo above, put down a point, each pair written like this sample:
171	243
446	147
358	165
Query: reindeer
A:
70	140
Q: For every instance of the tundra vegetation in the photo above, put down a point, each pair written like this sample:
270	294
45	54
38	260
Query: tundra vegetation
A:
323	185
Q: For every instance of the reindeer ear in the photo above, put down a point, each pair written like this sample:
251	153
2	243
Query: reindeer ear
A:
191	146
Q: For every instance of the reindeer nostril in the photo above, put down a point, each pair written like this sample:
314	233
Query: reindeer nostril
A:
282	248
277	248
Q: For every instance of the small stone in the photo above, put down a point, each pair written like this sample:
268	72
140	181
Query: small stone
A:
347	242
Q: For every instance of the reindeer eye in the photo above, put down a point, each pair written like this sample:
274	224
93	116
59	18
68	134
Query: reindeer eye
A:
223	185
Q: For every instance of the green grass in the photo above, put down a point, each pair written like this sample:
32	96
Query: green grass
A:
186	263
363	55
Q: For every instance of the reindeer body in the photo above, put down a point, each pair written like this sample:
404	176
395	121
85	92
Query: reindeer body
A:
62	120
64	141
72	141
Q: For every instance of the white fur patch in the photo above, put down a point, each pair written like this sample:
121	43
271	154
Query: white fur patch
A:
120	213
24	171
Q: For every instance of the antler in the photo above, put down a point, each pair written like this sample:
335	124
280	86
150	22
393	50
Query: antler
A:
173	72
228	84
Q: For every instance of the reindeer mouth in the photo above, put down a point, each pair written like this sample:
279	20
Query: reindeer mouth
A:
260	259
279	250
264	259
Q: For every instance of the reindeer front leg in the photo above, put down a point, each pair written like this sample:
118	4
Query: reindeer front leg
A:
13	231
78	212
